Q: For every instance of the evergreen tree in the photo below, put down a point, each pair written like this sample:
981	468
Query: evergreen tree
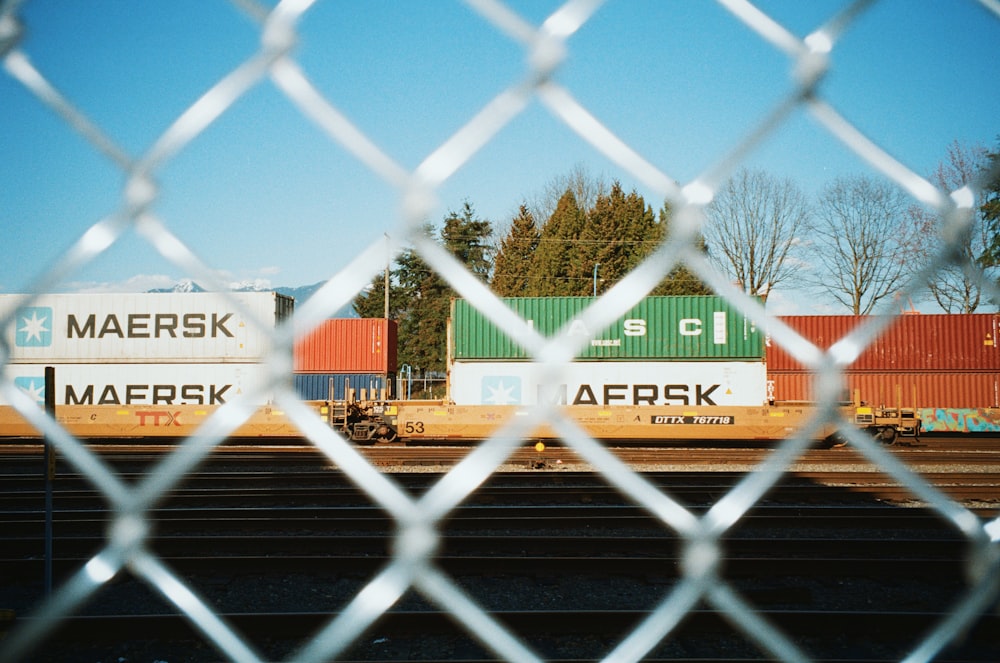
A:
681	280
422	330
466	237
370	303
990	209
427	297
608	240
556	262
515	256
621	230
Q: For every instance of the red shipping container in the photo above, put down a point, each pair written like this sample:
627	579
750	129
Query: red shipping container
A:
937	389
348	345
920	342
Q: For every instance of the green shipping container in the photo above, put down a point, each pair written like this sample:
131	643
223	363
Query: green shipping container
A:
657	328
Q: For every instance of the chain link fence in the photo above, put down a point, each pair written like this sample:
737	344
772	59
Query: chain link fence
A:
544	47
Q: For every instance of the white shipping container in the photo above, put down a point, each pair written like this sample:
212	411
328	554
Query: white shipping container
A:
143	327
610	383
141	384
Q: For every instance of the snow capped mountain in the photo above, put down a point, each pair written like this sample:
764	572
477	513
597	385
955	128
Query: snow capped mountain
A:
299	293
255	285
186	285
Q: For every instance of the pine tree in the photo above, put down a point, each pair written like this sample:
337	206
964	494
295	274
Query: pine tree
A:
515	256
990	209
608	241
370	303
620	232
681	280
556	262
465	236
427	296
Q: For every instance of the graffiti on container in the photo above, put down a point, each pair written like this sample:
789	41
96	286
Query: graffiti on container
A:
960	420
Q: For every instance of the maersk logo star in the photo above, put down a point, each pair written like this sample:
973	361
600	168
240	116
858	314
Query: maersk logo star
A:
34	387
501	390
34	327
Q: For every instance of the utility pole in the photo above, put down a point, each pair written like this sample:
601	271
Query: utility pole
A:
388	258
50	475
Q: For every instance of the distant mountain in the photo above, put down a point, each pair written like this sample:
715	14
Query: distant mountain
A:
304	292
300	293
186	285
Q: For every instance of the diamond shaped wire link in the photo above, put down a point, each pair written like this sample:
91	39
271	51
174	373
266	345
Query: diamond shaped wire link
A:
544	49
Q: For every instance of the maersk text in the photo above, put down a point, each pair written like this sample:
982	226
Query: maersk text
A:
147	394
150	325
629	394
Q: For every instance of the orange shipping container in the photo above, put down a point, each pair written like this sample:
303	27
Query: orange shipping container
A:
348	345
980	389
960	342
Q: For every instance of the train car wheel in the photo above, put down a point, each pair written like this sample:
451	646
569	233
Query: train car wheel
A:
834	441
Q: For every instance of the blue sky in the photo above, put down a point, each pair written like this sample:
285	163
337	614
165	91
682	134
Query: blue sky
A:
265	194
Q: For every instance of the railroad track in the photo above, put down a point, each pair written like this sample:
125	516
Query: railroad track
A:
983	453
240	484
424	635
561	558
928	449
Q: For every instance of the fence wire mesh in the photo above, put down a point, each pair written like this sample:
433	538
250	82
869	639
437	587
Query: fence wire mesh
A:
544	47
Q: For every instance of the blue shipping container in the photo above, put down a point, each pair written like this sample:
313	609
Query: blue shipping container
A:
317	386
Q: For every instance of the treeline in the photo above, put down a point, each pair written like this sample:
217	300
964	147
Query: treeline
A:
859	243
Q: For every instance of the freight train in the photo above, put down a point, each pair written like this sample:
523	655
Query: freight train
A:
672	368
375	421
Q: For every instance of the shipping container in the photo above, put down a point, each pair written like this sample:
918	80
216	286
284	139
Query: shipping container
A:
348	345
937	389
657	328
920	342
144	327
609	383
143	384
334	386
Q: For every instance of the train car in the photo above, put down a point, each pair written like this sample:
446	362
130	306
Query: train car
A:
426	422
440	421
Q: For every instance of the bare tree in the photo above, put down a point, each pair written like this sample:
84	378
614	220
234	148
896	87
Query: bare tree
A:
862	242
954	287
585	187
753	224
